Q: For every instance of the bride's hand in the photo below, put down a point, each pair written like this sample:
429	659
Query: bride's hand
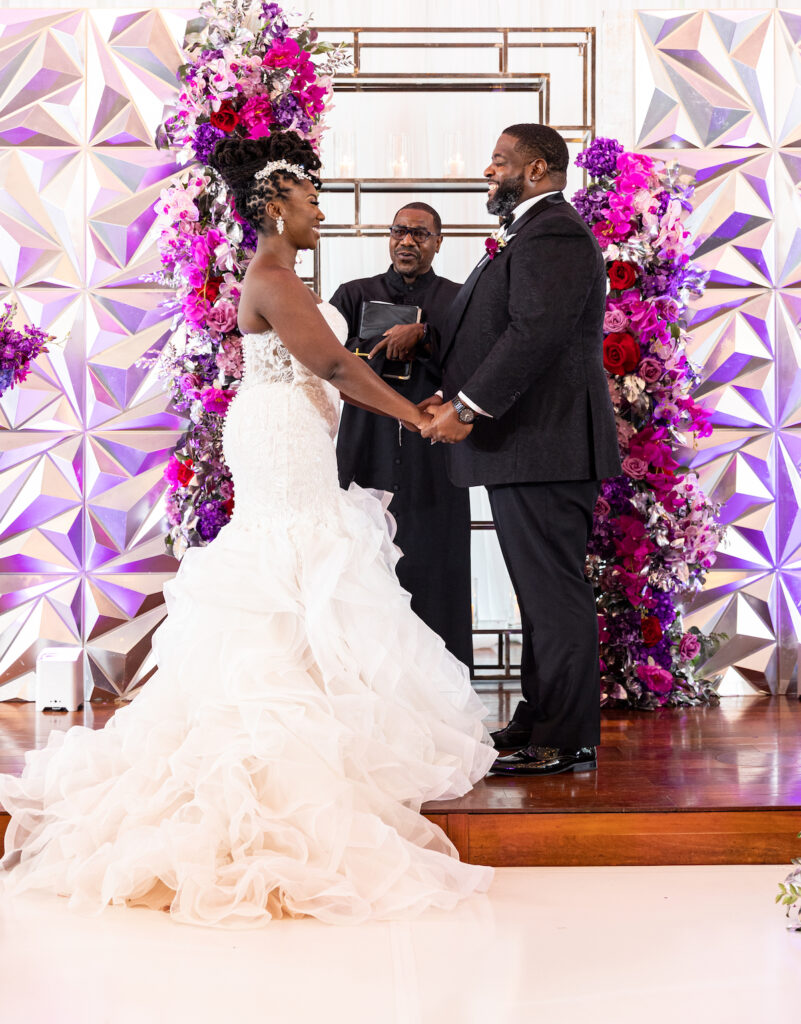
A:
422	419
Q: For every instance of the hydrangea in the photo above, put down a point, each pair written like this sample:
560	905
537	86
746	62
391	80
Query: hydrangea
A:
600	158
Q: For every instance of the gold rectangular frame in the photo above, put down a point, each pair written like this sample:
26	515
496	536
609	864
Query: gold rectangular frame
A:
506	39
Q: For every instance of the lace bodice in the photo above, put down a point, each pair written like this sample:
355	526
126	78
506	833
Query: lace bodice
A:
278	437
267	360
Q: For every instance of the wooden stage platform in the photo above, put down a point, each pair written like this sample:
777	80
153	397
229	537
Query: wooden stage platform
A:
677	786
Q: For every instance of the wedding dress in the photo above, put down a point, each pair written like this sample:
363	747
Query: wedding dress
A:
301	713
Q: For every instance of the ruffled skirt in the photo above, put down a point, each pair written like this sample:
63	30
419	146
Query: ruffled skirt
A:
276	762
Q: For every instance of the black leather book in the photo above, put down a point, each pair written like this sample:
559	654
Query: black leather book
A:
377	317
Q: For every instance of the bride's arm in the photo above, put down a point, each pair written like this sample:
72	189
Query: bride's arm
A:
289	307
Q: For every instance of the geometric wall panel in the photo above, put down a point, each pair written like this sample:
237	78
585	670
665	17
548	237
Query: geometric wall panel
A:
83	442
720	92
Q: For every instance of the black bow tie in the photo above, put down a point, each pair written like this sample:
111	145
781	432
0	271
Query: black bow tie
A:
506	222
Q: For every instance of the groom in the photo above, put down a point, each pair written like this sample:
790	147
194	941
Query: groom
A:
525	391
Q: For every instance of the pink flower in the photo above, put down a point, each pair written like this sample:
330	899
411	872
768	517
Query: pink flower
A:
615	320
256	115
221	318
602	508
635	468
690	647
229	358
284	54
178	473
650	370
216	401
657	680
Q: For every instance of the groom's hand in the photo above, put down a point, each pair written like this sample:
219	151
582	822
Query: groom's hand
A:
445	425
430	403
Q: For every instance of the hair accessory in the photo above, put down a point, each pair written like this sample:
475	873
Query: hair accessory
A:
282	165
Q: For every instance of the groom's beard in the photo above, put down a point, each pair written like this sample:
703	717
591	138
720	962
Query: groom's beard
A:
506	198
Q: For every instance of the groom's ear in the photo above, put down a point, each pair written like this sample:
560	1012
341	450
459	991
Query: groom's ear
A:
537	169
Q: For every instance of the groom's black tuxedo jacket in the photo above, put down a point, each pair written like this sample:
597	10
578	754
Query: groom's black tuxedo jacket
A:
525	343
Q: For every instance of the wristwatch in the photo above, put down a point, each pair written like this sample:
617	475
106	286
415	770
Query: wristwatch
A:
464	412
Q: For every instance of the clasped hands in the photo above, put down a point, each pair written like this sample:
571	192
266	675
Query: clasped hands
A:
443	422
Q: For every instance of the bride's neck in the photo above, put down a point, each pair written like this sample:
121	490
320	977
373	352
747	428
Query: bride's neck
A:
277	248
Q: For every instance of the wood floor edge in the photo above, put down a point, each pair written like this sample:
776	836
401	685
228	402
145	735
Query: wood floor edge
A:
636	838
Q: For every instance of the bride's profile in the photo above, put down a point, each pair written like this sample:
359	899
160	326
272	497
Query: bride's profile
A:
301	713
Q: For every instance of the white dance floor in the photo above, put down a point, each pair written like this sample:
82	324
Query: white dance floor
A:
553	944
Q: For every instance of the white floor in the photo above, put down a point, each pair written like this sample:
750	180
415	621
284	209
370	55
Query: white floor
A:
547	946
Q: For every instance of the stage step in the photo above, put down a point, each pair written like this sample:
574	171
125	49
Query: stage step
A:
584	840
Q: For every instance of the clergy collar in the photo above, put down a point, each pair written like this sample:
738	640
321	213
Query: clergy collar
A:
398	284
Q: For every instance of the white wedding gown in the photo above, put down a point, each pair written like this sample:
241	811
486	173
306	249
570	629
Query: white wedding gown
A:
300	714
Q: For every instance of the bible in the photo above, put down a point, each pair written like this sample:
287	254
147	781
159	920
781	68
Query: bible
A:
376	318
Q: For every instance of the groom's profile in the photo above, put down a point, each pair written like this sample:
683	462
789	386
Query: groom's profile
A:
525	392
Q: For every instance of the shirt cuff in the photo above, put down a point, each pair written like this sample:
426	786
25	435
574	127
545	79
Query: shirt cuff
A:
473	406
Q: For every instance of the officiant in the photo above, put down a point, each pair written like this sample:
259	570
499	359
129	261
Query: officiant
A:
433	516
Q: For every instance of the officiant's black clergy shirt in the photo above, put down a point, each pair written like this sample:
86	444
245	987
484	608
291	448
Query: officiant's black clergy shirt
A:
433	516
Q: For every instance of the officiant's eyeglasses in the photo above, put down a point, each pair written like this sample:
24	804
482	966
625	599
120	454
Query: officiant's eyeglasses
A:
398	231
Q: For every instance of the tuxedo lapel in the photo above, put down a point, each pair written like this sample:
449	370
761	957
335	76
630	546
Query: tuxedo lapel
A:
460	303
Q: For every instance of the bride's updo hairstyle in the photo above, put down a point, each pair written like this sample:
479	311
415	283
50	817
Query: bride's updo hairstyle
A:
237	161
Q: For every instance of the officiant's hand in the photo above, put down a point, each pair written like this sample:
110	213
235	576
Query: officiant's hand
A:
399	341
445	425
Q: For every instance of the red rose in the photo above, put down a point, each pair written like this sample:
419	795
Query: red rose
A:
229	507
651	630
226	118
210	290
184	472
621	275
621	353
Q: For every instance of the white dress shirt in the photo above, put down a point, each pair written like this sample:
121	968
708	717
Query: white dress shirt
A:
518	211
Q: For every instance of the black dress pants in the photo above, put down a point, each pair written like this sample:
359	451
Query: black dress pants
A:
543	530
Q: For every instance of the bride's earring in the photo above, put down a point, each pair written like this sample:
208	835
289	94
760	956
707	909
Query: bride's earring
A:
279	225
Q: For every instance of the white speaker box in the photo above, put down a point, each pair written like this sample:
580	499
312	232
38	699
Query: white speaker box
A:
59	679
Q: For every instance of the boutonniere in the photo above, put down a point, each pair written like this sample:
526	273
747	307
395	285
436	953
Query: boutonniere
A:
494	244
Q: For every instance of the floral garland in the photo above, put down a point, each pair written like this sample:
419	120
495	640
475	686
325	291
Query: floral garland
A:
249	73
655	531
18	349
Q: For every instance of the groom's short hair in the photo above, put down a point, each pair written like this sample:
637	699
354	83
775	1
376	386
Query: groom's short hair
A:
539	140
426	209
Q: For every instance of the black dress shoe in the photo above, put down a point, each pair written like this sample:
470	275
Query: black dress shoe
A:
533	760
513	737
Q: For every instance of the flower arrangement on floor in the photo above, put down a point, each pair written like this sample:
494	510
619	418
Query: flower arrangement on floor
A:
789	895
18	348
655	532
248	73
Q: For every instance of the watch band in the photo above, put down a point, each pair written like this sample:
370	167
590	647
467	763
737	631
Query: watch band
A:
464	412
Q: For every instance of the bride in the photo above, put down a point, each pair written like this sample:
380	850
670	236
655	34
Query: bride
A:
301	713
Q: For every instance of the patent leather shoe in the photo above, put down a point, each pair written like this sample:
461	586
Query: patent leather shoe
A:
534	760
513	737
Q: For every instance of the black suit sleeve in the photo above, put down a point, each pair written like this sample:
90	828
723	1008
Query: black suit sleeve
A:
550	279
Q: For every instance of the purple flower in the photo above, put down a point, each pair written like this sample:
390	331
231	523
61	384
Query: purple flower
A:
600	158
206	136
212	517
